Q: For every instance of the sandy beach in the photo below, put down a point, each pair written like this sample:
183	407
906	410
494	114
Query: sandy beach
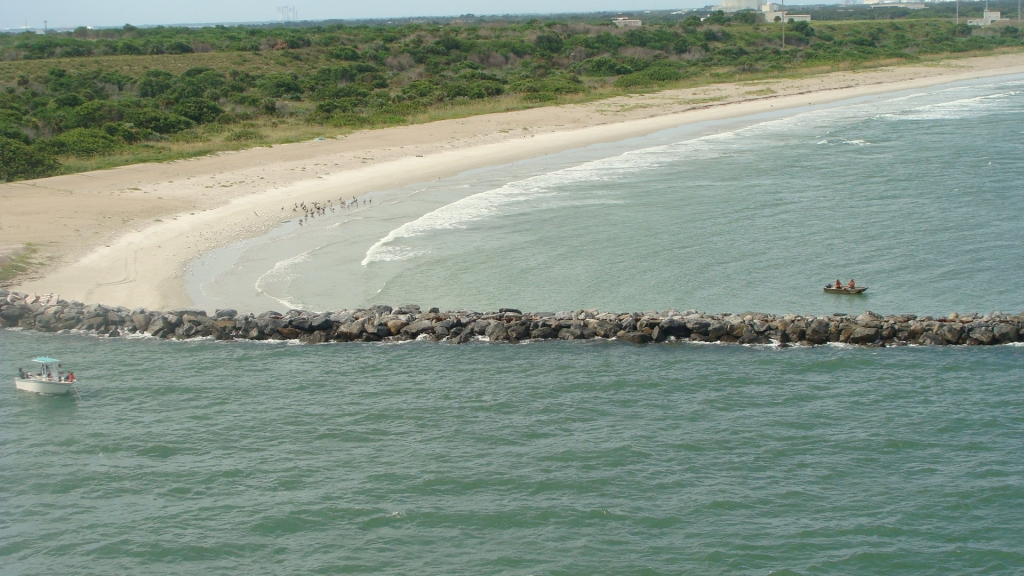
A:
124	236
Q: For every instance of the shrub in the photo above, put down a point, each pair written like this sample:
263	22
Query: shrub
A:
83	142
549	43
278	85
123	131
157	120
13	133
604	66
345	53
19	161
155	83
649	77
198	110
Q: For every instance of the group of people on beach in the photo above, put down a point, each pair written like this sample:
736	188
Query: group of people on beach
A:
839	285
70	378
321	209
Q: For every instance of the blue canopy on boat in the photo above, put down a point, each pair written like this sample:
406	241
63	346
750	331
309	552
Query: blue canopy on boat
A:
45	360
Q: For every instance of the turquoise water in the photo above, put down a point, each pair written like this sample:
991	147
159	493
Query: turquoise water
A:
575	457
916	195
561	458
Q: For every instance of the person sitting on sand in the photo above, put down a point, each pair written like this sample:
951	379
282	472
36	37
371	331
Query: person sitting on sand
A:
850	285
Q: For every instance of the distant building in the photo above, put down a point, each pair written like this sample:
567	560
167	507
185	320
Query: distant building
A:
737	5
894	4
623	22
772	11
988	18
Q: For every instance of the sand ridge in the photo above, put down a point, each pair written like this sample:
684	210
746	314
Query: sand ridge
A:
124	236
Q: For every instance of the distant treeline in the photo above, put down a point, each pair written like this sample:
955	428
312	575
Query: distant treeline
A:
241	79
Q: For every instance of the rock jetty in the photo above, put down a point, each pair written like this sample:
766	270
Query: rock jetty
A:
384	323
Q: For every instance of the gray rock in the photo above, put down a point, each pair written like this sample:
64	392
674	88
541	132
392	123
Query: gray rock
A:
674	327
570	334
818	331
518	331
141	321
863	335
948	332
543	333
636	337
984	335
418	327
496	332
225	314
1006	333
716	330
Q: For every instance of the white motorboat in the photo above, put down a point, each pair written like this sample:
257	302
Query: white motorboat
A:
48	380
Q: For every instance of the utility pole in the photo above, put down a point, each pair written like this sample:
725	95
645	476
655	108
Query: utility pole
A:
783	24
45	27
957	12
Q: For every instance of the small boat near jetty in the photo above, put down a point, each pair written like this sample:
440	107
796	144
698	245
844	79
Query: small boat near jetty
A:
48	380
856	290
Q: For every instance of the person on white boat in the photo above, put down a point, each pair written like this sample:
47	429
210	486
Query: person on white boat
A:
71	377
21	373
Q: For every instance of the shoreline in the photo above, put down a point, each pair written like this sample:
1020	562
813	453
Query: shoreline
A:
126	235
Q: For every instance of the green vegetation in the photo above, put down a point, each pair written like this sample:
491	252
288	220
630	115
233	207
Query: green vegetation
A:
99	98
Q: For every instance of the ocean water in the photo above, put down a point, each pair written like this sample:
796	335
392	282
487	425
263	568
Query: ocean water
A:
556	458
577	457
914	194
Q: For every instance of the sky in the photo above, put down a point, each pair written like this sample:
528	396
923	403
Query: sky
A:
70	14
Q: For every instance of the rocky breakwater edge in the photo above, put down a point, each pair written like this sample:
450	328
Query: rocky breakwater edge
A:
387	324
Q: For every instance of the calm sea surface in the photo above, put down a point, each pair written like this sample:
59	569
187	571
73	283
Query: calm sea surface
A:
560	458
577	457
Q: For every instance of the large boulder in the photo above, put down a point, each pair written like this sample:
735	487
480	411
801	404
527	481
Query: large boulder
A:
300	323
674	327
418	327
518	331
636	337
543	333
351	330
606	329
716	330
750	336
570	334
949	332
396	326
321	322
984	335
496	332
141	321
863	335
1005	333
818	331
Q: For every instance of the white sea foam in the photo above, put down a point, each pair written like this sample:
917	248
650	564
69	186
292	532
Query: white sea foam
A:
281	273
959	109
486	204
